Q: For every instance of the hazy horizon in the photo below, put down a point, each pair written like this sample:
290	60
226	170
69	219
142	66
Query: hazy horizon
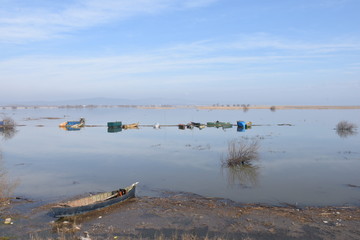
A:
201	51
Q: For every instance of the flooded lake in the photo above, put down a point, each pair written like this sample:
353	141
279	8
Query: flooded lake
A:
302	159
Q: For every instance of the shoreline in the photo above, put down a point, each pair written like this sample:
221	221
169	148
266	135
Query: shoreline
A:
188	216
198	107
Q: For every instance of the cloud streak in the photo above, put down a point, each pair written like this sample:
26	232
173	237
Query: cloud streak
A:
191	59
25	23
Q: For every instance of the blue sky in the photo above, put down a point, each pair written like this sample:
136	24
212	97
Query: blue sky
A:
220	51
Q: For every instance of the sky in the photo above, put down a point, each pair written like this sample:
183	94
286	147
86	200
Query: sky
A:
218	51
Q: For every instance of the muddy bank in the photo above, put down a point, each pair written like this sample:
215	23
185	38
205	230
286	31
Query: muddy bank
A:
190	216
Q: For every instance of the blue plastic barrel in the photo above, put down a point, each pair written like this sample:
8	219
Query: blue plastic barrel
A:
241	124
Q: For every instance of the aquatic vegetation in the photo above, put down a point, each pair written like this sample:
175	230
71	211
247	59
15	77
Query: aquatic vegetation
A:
345	129
6	189
239	162
8	128
8	122
241	152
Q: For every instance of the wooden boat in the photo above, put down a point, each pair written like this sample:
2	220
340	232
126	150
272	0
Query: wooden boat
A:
191	125
73	124
116	124
130	126
98	201
218	124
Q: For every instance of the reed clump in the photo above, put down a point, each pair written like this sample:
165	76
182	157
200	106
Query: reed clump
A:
345	128
6	189
8	123
8	128
241	152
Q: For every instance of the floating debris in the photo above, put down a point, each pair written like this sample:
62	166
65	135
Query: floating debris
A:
8	221
73	124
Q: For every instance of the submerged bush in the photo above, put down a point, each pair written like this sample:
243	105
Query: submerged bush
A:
241	152
6	189
345	129
9	122
239	162
8	129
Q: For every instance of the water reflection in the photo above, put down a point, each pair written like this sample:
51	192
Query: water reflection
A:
245	175
346	129
114	129
70	128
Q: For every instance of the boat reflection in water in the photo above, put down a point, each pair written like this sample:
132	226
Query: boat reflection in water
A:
114	130
70	128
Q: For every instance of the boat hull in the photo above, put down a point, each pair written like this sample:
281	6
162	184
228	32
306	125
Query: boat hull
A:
219	124
72	211
73	124
114	124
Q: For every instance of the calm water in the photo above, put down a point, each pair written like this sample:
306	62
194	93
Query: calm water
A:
307	163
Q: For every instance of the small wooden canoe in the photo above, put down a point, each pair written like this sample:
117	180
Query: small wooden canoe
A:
218	124
73	124
182	126
131	126
98	201
198	125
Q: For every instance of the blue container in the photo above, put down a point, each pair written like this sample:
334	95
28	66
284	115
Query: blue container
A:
241	124
1	123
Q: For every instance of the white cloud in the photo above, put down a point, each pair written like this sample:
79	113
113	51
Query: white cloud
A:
268	42
191	59
24	23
